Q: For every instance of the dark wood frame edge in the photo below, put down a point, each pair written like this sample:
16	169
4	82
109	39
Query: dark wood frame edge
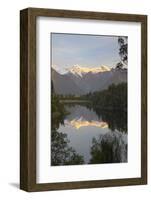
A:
28	99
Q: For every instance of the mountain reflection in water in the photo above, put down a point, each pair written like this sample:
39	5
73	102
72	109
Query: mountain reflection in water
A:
96	138
81	122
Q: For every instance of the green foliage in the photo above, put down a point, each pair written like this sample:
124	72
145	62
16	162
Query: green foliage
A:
61	152
58	111
107	149
111	106
115	97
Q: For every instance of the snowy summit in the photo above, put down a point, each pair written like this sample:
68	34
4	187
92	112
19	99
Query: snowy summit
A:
80	71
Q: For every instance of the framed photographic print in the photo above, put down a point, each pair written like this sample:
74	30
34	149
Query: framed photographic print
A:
83	93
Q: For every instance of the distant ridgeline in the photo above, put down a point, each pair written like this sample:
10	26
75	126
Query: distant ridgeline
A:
81	83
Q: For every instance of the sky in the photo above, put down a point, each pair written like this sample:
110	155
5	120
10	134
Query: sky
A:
84	50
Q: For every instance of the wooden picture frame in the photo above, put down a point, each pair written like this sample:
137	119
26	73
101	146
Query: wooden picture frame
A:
28	98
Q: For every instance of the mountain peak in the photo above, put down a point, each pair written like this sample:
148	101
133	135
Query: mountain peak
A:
78	70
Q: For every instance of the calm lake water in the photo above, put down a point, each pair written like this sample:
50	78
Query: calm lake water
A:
99	137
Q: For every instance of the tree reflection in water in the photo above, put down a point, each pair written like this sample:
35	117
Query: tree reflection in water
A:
116	118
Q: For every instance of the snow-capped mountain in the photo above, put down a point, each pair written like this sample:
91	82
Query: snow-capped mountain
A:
81	80
80	71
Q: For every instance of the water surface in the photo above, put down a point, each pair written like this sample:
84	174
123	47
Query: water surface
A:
97	137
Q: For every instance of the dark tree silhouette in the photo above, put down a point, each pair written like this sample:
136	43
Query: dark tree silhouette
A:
61	152
123	52
108	148
119	65
111	106
52	88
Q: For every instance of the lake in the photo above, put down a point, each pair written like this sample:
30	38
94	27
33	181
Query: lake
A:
94	136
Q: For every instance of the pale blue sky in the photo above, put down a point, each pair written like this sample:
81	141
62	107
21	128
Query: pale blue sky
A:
84	50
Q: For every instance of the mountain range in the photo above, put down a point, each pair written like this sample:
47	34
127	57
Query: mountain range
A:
81	80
